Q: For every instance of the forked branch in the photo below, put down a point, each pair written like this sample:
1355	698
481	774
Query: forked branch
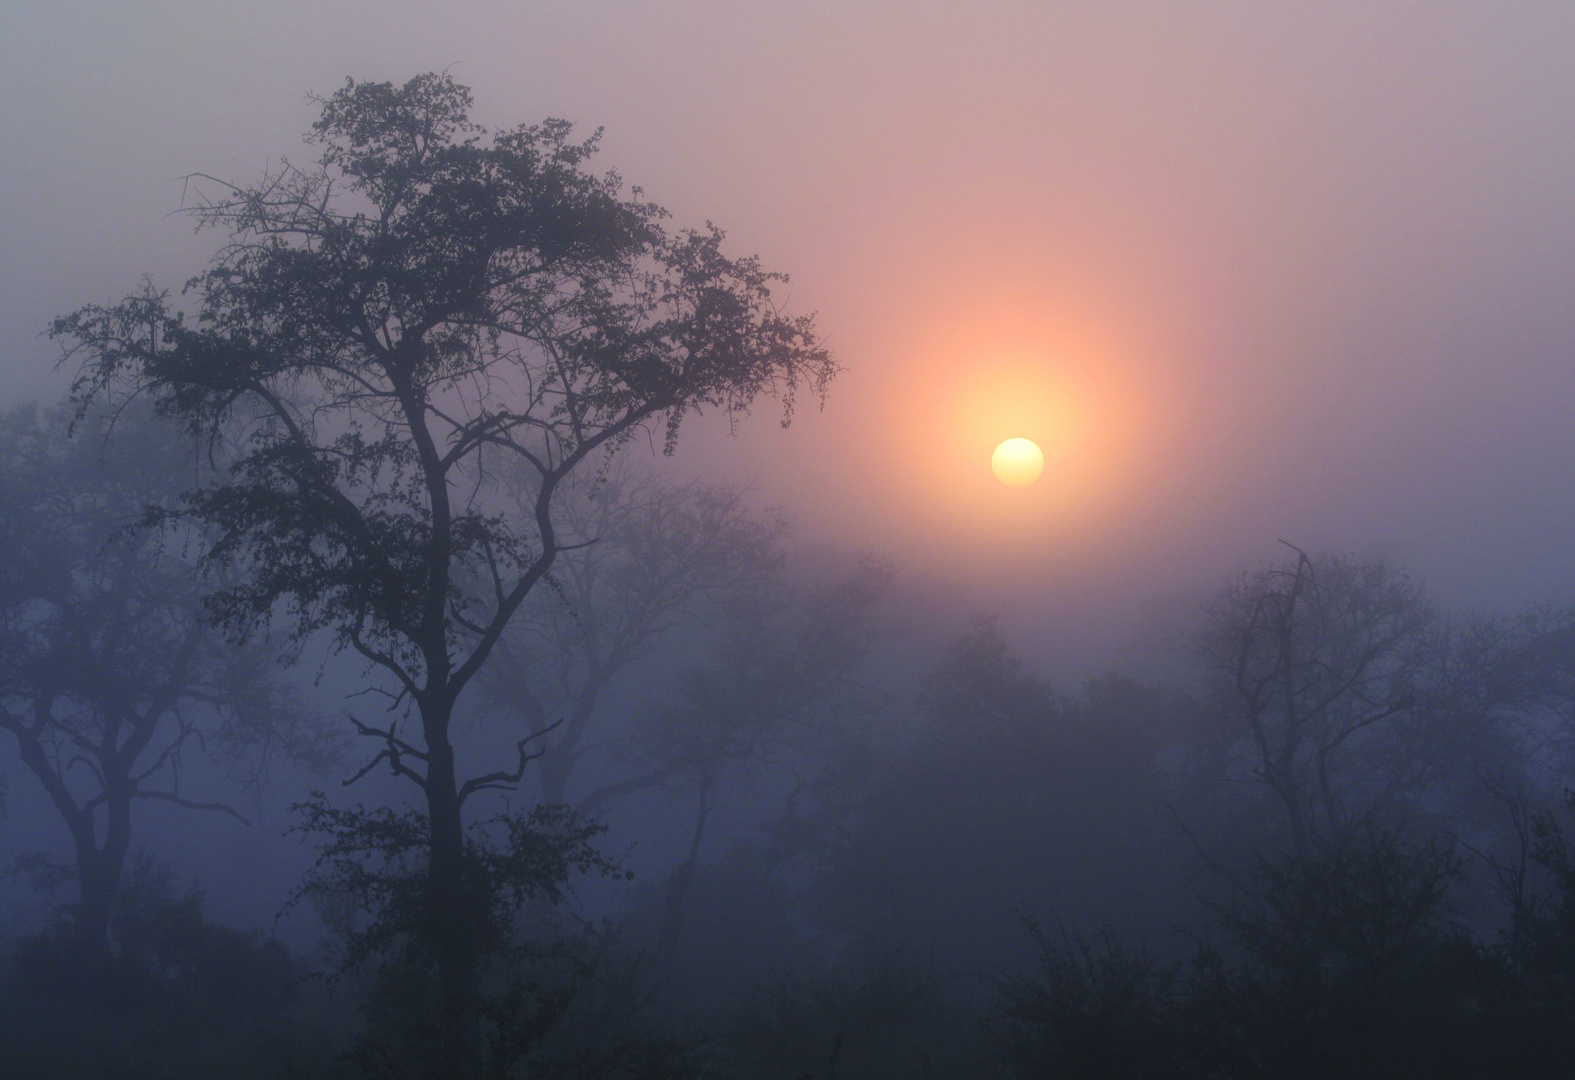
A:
394	751
506	781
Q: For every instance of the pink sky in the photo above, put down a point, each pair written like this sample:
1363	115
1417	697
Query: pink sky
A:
1248	271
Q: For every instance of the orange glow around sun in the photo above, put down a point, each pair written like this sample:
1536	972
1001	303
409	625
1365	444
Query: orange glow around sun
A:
986	378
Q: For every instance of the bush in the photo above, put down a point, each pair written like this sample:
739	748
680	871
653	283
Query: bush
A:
1095	1008
182	997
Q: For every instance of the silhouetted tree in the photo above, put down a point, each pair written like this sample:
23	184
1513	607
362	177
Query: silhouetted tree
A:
109	675
1341	962
1353	964
1542	939
781	685
1346	691
647	559
185	997
377	860
1094	1008
1003	793
425	301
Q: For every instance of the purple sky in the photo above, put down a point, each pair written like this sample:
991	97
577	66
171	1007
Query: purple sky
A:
1249	271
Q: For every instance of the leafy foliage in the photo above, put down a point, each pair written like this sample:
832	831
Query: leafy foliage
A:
376	863
378	859
385	330
182	996
423	300
1095	1008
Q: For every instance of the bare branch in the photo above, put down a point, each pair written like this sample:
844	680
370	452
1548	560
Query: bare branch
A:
507	780
171	797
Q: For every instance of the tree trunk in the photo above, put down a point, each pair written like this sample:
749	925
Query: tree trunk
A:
554	768
453	916
99	873
678	884
98	870
96	888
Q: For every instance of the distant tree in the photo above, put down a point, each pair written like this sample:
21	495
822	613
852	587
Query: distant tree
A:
426	301
110	679
1354	966
781	687
170	958
692	567
999	793
186	997
1542	939
1342	690
647	560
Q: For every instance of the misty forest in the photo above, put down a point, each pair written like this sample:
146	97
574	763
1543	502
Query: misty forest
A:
381	696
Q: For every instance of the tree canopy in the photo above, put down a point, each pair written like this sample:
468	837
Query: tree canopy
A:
380	333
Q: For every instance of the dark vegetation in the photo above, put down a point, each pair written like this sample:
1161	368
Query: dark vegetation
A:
393	442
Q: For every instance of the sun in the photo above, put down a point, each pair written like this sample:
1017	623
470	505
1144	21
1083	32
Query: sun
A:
1017	462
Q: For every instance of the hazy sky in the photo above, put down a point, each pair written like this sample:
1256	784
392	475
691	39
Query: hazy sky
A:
1248	271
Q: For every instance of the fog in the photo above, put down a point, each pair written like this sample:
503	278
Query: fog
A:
1283	272
1284	292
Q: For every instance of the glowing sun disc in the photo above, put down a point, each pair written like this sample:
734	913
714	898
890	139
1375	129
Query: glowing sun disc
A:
1017	462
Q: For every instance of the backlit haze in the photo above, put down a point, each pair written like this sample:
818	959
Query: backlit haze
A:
1245	271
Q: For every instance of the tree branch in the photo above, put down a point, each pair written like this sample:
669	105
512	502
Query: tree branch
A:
171	797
